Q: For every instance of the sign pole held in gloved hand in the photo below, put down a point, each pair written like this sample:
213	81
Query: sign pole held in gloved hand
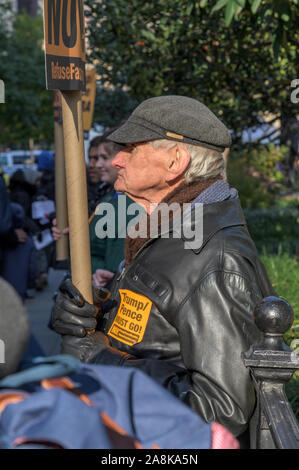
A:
62	244
65	71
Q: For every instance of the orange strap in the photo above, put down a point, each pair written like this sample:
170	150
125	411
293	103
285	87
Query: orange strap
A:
66	384
7	398
117	435
91	217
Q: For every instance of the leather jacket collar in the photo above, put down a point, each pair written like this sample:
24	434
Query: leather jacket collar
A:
218	216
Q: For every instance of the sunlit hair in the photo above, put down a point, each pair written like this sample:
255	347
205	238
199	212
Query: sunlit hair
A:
204	163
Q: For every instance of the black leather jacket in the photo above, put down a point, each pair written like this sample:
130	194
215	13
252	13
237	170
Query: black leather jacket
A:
200	319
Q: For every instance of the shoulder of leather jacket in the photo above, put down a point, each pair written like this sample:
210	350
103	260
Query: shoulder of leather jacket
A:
168	269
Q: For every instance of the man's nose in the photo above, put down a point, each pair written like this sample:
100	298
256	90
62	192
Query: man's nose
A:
119	160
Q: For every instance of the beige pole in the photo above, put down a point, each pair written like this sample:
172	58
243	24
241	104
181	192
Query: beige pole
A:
62	245
76	192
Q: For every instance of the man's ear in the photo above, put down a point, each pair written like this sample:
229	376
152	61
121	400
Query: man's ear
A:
178	162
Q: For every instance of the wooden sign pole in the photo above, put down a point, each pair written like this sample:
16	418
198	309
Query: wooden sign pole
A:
65	71
76	192
62	245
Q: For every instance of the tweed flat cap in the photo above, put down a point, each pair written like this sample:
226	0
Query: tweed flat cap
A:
176	118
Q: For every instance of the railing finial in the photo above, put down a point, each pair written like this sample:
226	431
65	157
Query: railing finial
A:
273	316
272	365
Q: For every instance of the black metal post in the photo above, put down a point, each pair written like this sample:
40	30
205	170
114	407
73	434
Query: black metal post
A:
272	363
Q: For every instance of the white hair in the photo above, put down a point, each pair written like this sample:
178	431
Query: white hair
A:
204	163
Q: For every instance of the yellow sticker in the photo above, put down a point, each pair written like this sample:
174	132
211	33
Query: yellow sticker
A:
131	319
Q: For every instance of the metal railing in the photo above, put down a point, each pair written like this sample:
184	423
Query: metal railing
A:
272	363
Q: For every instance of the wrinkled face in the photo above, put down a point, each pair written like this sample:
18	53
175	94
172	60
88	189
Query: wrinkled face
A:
99	165
141	171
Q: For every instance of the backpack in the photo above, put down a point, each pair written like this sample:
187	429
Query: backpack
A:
59	402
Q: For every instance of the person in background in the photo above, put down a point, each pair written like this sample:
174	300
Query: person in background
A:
46	166
23	188
19	262
17	253
106	253
95	187
26	186
9	236
5	176
45	191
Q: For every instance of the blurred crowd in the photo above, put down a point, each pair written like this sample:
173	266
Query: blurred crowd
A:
23	263
28	229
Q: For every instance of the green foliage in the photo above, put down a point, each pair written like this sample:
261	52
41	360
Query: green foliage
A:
282	13
179	47
292	392
256	173
273	228
112	106
27	112
283	271
252	192
291	201
266	160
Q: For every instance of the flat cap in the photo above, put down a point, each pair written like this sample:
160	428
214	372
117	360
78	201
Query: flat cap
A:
175	118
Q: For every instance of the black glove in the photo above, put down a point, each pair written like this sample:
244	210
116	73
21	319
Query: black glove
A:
87	348
72	314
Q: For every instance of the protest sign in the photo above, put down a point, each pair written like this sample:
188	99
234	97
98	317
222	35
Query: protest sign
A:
64	44
64	30
88	97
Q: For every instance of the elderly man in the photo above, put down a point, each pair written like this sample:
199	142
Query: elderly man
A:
181	312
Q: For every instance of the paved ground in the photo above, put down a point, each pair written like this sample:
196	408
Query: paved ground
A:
39	309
